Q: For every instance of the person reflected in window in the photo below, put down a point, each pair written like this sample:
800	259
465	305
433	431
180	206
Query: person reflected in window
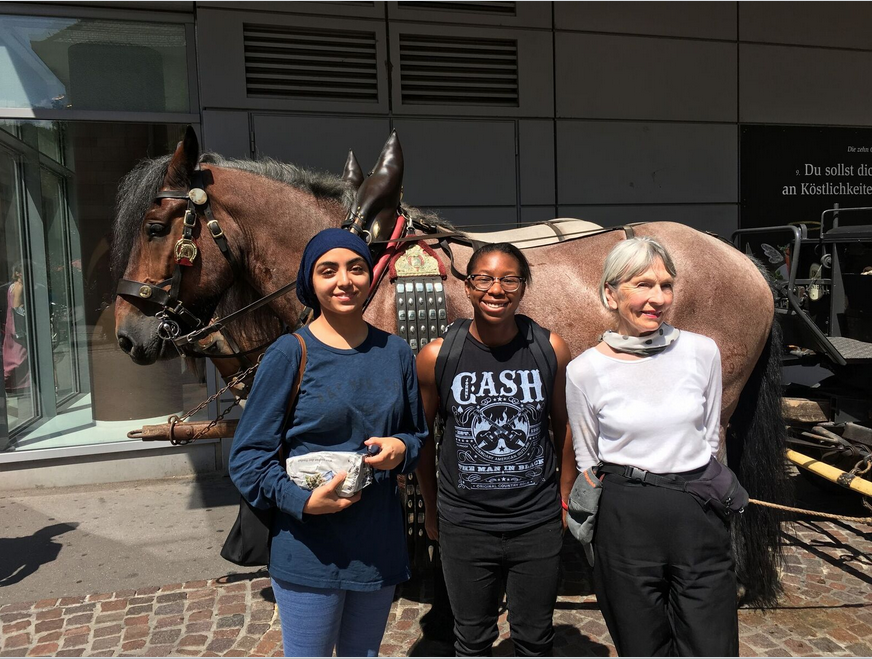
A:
16	371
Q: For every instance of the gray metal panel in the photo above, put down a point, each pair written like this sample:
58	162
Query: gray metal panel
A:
836	24
782	84
535	71
721	219
536	161
712	20
320	142
479	218
222	56
526	14
226	133
627	77
375	10
642	163
458	163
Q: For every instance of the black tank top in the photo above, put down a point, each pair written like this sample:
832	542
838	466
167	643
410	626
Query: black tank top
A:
497	469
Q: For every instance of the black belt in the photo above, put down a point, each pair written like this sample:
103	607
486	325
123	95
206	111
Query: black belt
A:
671	481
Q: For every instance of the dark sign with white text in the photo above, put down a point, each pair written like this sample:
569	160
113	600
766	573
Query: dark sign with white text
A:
793	173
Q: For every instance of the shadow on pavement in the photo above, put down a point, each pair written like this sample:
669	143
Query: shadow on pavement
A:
25	555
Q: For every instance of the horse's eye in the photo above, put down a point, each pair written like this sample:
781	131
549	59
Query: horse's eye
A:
155	229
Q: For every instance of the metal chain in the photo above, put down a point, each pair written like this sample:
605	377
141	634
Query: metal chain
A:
174	419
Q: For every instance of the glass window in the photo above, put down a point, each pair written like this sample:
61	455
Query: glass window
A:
66	381
89	64
15	304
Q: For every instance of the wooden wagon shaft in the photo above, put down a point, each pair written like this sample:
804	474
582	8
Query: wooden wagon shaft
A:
797	410
184	432
831	473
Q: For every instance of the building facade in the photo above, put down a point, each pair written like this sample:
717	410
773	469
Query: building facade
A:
508	112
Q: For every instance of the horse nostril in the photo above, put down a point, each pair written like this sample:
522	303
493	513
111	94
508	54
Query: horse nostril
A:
125	343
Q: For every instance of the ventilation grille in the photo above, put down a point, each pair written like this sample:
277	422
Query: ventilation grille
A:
287	62
436	70
501	8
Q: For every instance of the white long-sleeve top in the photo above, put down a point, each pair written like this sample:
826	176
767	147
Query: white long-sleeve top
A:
659	413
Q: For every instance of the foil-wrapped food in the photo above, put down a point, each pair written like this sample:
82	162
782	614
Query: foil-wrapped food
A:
315	469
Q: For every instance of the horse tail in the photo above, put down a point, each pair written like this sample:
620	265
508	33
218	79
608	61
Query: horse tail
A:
755	451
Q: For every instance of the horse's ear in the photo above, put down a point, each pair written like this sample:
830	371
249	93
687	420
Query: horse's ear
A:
184	161
378	197
352	174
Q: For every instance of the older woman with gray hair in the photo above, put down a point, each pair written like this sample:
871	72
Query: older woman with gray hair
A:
644	406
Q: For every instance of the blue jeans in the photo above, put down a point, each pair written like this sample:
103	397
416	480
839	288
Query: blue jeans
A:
315	621
480	566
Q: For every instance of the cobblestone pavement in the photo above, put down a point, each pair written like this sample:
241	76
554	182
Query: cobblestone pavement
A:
826	610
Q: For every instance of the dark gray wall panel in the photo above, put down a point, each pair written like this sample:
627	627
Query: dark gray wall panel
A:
525	14
320	142
782	84
721	219
836	24
479	218
711	20
226	133
530	214
622	77
536	161
624	162
221	53
375	10
535	70
458	163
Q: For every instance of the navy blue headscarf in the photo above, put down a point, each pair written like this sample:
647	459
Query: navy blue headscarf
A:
321	243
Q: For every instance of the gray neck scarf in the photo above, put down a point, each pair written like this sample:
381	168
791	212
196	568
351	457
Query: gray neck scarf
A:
645	346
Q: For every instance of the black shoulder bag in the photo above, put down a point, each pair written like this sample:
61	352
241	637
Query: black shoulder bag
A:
247	544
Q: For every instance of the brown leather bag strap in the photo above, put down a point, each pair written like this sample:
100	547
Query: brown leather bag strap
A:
295	392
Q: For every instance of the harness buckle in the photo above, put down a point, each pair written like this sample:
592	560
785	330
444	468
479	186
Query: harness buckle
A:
214	228
190	218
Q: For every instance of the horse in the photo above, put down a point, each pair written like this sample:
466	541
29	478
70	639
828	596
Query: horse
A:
266	211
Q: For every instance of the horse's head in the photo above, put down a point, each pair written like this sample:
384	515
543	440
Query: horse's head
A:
171	280
374	211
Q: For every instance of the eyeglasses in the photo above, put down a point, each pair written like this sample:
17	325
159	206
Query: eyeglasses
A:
509	284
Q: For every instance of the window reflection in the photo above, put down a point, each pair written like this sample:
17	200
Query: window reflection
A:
88	64
66	382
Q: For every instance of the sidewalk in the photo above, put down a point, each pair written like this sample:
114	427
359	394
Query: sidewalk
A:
826	610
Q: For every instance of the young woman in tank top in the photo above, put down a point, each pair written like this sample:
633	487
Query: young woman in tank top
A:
498	512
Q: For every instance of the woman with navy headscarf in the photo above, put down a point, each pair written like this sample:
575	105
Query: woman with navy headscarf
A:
334	561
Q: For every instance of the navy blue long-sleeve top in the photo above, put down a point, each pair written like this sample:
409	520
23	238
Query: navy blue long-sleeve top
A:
346	397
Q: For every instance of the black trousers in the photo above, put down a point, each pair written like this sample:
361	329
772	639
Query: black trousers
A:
480	566
664	576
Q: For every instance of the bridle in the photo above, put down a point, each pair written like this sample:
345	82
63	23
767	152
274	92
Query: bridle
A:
172	312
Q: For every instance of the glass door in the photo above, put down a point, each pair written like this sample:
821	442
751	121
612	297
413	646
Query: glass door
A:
16	303
61	268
